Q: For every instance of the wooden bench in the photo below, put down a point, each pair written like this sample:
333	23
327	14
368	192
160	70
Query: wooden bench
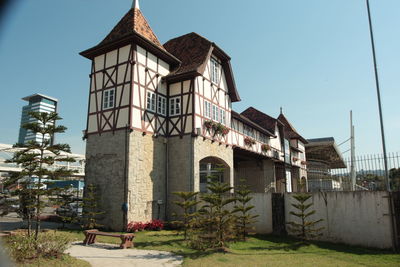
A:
126	239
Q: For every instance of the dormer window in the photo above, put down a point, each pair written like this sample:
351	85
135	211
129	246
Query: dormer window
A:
214	70
108	98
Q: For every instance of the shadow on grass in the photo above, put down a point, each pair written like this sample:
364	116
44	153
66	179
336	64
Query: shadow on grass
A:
177	246
286	243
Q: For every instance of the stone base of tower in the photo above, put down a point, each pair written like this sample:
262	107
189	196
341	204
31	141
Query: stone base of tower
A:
105	169
127	167
185	156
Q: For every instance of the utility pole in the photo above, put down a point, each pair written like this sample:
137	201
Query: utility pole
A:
395	236
379	99
353	154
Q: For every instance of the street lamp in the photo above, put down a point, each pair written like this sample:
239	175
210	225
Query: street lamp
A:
379	99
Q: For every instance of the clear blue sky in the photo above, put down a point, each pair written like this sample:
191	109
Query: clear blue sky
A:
312	57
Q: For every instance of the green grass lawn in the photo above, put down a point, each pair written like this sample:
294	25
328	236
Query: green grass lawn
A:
261	250
65	261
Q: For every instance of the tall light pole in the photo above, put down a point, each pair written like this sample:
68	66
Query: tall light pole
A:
390	199
353	155
379	99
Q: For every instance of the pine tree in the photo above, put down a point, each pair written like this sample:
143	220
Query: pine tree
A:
242	210
64	199
187	203
36	160
91	210
217	219
304	229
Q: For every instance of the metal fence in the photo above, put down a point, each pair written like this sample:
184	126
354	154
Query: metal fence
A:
370	174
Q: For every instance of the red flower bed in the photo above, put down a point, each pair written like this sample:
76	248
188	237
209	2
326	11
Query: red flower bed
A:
154	225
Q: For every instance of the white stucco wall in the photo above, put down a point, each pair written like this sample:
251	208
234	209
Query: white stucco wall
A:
263	208
354	218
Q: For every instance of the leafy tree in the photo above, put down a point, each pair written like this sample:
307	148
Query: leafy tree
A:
217	219
242	210
304	229
91	211
36	160
187	203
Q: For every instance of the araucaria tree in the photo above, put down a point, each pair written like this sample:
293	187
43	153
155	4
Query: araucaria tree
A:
91	211
242	209
37	161
304	228
217	219
187	203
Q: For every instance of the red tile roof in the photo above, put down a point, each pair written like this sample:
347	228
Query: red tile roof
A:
249	122
290	131
133	21
193	50
261	119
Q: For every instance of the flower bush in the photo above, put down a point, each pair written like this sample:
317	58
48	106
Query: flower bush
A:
208	124
295	159
135	227
303	162
249	141
154	225
217	127
265	147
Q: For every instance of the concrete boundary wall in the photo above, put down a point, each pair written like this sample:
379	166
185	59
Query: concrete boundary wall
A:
262	203
354	218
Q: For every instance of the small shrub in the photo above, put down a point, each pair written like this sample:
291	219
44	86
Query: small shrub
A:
23	247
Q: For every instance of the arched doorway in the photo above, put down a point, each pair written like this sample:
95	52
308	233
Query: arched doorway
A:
212	167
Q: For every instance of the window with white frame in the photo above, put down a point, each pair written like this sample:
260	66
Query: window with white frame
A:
162	105
214	67
262	138
215	113
207	109
109	98
222	118
235	125
248	131
151	101
175	106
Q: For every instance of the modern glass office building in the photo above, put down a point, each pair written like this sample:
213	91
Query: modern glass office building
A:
37	103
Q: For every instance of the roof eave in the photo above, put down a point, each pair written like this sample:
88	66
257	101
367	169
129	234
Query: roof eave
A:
171	78
97	50
249	122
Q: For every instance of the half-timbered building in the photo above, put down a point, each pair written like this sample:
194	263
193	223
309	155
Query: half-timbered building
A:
160	120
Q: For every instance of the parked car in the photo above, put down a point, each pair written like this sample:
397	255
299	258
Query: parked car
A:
72	210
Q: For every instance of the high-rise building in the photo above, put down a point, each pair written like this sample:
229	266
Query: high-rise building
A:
37	103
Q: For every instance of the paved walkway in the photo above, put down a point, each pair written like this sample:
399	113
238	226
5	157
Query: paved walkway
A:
105	255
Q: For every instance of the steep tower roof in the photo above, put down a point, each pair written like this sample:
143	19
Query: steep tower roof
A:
132	27
132	22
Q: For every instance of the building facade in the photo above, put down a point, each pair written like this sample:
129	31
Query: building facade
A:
36	103
160	120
